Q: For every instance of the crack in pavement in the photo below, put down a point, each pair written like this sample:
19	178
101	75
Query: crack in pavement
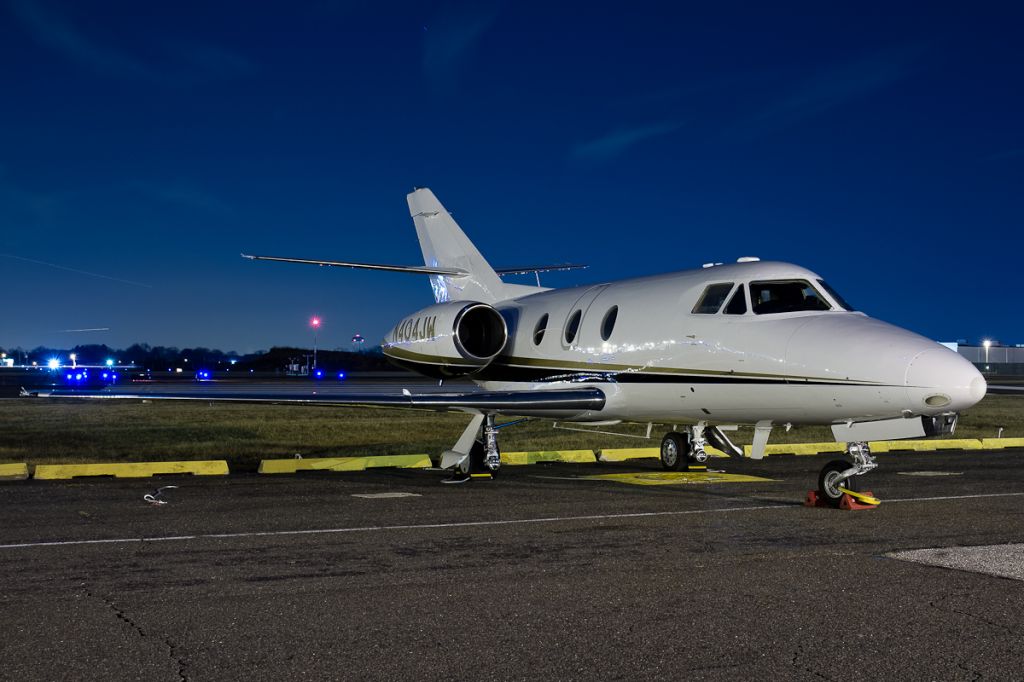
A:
1016	632
174	651
795	662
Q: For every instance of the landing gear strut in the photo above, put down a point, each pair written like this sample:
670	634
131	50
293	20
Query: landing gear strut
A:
680	450
476	450
840	473
485	457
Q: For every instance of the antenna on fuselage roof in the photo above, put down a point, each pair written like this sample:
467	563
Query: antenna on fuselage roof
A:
741	259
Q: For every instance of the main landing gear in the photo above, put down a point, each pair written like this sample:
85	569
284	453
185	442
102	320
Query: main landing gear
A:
485	456
476	452
839	476
680	450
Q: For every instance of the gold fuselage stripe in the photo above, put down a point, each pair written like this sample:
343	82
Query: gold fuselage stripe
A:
573	365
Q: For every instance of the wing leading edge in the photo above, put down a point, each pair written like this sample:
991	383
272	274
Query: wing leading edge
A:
559	401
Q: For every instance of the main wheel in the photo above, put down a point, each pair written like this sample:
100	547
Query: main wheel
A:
829	483
675	448
478	459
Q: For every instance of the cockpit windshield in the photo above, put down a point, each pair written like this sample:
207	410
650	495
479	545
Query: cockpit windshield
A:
835	296
785	296
712	299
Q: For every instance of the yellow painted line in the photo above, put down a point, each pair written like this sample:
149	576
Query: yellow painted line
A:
674	478
928	445
1000	443
291	466
131	469
13	472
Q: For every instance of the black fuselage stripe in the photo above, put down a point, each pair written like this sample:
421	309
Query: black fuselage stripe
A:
518	374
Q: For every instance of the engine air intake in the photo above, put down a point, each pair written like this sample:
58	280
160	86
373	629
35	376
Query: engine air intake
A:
480	332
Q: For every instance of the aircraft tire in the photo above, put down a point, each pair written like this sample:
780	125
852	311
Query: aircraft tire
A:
827	488
675	448
477	454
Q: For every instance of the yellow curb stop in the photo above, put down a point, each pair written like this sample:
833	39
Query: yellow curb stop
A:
131	469
291	466
13	472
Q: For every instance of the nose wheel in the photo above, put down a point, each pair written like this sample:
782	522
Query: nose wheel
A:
839	476
831	481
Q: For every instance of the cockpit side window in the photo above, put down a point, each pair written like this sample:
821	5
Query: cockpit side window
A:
785	296
835	296
712	298
738	302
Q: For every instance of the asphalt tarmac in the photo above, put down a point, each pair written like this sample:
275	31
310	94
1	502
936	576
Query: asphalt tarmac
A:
540	573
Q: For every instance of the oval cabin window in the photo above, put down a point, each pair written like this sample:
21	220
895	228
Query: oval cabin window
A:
608	324
573	326
538	331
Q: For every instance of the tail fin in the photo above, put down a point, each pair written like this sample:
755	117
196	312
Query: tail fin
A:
445	245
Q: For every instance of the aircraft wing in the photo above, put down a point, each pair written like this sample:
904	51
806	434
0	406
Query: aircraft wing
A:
556	402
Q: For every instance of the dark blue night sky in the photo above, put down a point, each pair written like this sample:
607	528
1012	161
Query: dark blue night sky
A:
144	145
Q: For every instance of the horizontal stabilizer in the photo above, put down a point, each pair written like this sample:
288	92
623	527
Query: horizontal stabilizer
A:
540	268
415	269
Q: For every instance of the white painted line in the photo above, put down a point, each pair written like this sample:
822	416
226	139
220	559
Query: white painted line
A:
953	497
384	496
366	529
462	524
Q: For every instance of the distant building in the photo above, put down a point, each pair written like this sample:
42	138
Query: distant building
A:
994	359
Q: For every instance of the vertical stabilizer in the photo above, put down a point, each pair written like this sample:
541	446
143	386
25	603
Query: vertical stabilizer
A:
445	245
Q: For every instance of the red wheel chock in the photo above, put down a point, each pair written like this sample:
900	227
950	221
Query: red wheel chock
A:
847	501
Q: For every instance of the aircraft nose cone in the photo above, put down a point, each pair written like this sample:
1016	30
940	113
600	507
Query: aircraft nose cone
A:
940	380
979	387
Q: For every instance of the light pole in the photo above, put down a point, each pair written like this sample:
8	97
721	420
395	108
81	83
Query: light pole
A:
987	344
315	324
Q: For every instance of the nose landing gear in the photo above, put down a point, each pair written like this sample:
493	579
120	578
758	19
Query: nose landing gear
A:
838	478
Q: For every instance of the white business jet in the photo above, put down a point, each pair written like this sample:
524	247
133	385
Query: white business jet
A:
760	344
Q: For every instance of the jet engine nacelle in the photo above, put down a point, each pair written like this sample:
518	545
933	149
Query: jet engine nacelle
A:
450	339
